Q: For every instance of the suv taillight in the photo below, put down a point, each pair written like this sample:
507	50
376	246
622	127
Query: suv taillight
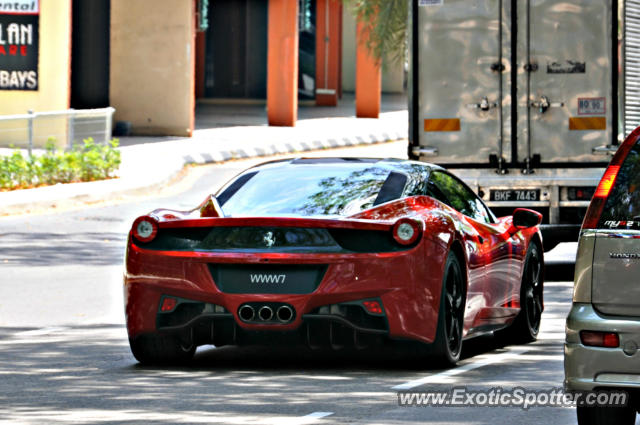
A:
608	180
600	339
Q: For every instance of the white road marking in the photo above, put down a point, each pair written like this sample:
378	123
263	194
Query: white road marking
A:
557	304
321	377
42	331
318	415
302	420
204	417
558	284
553	336
445	377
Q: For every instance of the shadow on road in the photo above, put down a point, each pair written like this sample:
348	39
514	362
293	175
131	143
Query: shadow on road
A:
59	249
559	272
87	374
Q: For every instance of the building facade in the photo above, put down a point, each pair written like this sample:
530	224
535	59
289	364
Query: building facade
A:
153	59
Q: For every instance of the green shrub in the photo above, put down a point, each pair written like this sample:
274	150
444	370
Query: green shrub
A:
85	162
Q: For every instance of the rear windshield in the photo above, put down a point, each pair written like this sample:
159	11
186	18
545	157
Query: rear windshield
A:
623	203
311	190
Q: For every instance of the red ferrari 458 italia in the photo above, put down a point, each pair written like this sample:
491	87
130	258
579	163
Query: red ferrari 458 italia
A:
332	252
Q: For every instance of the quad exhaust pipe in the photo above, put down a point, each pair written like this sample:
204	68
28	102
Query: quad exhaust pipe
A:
284	313
266	313
246	313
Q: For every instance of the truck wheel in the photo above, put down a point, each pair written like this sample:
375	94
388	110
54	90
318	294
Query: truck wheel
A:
526	326
448	343
160	350
606	415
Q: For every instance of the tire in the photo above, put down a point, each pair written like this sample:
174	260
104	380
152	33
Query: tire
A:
526	326
448	343
160	350
606	415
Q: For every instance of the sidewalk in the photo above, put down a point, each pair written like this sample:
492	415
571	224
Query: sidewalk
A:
223	132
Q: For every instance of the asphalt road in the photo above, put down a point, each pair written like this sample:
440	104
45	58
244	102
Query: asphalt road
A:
64	356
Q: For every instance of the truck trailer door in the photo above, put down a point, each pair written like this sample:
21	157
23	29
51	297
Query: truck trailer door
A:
462	77
564	80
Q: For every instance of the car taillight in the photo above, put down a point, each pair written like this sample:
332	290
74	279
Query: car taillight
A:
373	307
406	231
168	304
145	228
600	198
600	339
607	182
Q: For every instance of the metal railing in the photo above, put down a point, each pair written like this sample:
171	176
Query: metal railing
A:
64	128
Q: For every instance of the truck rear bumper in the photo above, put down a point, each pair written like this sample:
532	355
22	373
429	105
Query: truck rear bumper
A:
557	190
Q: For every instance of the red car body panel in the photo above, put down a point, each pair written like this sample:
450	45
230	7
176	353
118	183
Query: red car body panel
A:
408	282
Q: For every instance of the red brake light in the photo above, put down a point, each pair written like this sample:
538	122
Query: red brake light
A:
596	207
600	197
406	231
607	181
372	307
168	304
600	339
145	228
593	213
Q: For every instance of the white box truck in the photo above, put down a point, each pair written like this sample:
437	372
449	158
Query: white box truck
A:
525	99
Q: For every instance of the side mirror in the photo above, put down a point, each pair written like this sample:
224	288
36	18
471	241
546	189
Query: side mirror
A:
210	208
524	218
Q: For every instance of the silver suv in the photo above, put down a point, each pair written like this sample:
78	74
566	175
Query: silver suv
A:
603	327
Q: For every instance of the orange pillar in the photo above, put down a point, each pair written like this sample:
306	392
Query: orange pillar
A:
201	52
368	77
282	63
328	43
192	96
340	60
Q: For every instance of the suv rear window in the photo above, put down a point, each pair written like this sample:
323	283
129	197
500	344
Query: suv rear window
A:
623	203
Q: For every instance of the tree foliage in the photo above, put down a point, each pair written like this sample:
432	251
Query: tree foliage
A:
387	27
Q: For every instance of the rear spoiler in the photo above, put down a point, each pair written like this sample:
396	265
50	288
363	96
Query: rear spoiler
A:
276	222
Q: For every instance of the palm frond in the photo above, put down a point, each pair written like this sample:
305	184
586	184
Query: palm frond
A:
387	26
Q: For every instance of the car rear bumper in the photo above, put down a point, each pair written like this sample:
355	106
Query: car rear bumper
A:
335	326
588	368
407	284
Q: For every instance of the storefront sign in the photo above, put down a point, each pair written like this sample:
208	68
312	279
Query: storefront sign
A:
203	15
19	34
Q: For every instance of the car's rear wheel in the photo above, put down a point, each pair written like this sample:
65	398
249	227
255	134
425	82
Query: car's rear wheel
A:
526	326
448	343
161	350
606	415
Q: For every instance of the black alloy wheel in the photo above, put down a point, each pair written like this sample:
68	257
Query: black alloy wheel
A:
532	291
526	326
448	343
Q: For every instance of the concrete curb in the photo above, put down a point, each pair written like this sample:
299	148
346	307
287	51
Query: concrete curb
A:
289	148
138	175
